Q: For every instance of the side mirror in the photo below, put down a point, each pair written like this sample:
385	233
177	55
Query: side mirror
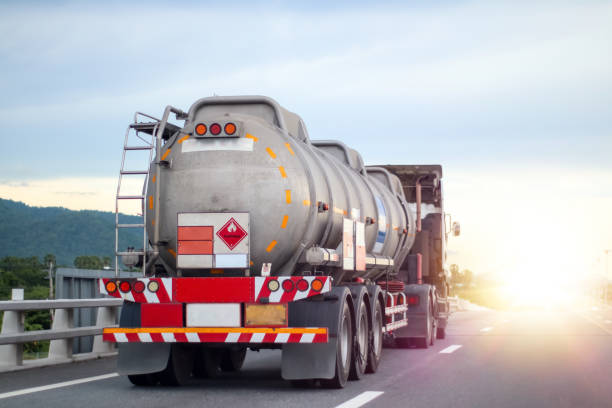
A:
456	229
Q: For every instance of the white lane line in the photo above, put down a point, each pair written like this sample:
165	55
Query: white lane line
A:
450	349
486	329
56	385
360	400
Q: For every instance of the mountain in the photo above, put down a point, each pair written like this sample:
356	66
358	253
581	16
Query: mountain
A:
36	231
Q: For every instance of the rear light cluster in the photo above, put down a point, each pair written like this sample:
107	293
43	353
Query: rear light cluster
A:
302	285
216	129
127	286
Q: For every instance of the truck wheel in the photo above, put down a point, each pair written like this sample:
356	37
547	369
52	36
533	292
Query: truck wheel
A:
377	339
143	380
344	345
424	342
232	359
361	343
441	333
207	362
179	368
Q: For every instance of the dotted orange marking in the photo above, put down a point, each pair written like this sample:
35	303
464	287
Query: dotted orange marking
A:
172	252
285	219
271	246
271	153
288	196
150	202
306	202
250	136
166	154
153	179
182	139
290	149
282	171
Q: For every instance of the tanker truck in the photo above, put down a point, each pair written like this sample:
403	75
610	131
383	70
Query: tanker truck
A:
257	237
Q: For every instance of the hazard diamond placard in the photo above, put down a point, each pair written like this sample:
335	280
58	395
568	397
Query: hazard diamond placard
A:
231	233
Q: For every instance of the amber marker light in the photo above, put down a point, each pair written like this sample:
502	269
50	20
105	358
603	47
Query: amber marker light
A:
230	128
317	285
200	129
111	286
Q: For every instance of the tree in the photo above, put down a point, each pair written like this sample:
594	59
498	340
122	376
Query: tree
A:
88	262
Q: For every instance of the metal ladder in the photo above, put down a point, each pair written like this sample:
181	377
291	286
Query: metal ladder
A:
140	143
158	131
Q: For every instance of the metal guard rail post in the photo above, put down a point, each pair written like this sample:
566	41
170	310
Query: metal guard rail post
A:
62	332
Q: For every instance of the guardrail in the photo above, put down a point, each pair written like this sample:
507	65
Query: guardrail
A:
61	334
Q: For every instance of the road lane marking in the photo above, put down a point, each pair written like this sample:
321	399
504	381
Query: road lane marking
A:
486	329
450	349
360	400
57	385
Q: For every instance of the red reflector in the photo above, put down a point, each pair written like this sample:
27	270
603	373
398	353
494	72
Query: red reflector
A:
139	286
215	129
413	300
161	315
302	285
287	285
125	286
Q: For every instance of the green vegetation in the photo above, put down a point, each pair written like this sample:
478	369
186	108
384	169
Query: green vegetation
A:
36	231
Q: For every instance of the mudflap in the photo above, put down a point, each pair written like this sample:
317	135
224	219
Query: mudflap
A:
142	358
417	316
308	361
139	358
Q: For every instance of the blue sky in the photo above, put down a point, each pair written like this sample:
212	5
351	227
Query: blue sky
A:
518	90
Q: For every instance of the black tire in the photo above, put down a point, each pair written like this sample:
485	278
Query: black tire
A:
404	342
441	333
308	383
232	359
425	342
376	338
143	380
179	368
361	342
207	362
344	347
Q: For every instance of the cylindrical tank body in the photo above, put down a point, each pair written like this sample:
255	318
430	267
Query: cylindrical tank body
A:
273	172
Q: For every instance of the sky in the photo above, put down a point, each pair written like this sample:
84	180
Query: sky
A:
513	98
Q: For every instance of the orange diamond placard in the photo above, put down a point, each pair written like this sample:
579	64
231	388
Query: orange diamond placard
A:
231	233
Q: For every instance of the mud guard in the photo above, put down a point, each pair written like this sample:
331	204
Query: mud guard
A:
307	361
139	358
417	317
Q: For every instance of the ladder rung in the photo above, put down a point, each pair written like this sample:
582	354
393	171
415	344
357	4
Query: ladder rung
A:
130	225
134	172
138	147
130	253
130	197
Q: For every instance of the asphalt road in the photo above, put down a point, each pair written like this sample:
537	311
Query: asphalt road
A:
524	358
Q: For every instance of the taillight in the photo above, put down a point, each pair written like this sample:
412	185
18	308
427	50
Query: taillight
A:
230	128
413	300
139	287
302	285
273	285
215	129
153	286
200	129
316	285
125	286
288	285
111	286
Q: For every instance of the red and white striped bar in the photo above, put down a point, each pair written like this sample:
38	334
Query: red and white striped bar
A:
215	335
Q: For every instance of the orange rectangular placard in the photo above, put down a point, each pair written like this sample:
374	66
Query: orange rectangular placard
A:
195	248
195	233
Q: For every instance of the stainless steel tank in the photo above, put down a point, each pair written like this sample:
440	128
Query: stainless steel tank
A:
285	181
